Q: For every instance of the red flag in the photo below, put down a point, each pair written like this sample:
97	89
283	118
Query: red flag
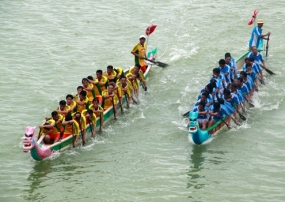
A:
150	29
253	17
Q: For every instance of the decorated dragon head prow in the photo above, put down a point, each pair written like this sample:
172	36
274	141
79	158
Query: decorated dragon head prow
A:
193	126
28	143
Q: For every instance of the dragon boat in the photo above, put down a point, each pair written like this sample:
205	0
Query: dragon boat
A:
199	136
39	150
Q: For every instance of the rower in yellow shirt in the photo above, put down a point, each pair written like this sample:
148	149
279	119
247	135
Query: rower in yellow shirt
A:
110	73
136	70
88	87
139	51
118	92
98	111
110	100
70	102
103	81
120	72
63	109
97	88
134	84
82	102
127	90
90	119
71	128
82	125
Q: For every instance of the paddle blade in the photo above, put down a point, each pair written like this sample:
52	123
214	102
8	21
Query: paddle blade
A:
186	114
161	64
242	117
270	72
150	29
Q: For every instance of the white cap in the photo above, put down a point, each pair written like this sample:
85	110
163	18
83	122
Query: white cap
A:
142	36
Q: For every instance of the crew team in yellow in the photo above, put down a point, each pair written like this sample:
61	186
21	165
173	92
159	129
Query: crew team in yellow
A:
95	96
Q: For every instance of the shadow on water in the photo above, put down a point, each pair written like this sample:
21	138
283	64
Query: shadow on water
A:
196	165
42	177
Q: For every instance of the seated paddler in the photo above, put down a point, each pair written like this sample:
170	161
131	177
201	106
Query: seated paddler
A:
203	114
71	128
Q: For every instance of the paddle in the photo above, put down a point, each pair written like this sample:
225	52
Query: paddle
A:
186	114
160	64
225	123
114	108
267	46
236	122
241	116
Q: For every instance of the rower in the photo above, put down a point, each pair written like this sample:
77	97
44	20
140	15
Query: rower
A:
243	88
97	88
56	125
127	90
216	113
98	111
258	58
136	70
117	91
236	91
139	51
220	81
225	70
110	73
253	75
71	103
82	102
71	128
90	118
131	78
120	72
230	61
249	83
88	87
79	89
204	98
103	81
63	109
81	123
203	114
110	99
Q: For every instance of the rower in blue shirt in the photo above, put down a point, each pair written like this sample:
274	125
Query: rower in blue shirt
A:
243	88
230	61
217	113
257	36
225	70
203	114
253	76
220	81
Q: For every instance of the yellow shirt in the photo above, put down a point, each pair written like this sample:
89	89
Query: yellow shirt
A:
72	106
81	123
120	72
93	118
134	84
80	108
66	108
141	50
103	80
98	114
72	128
47	131
141	75
111	76
127	88
107	102
91	93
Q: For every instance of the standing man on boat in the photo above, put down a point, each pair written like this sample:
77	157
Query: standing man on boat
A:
257	36
139	51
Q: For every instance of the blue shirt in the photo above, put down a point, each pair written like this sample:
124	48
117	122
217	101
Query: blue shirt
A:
224	70
257	58
231	109
255	39
253	76
222	113
202	116
244	90
249	78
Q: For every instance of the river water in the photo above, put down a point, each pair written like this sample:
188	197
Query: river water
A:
47	47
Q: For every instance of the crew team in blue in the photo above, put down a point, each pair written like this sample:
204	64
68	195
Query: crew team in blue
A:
227	91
